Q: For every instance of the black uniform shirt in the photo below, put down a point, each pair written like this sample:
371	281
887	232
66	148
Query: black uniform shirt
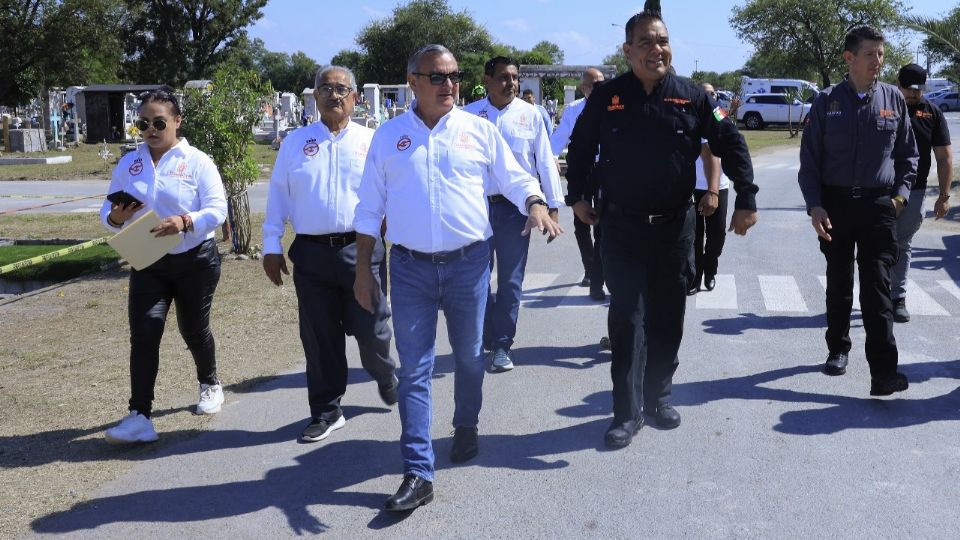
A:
930	130
852	141
649	144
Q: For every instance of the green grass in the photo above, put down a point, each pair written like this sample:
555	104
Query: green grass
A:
766	138
59	269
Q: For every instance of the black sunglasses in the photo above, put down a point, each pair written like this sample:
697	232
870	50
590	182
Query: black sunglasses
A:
437	79
157	124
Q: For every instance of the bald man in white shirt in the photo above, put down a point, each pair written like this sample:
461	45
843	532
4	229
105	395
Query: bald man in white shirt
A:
518	123
314	188
426	172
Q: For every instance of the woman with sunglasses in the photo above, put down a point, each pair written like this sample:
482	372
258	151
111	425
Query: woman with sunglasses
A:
182	185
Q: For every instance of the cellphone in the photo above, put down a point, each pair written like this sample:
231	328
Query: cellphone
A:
122	198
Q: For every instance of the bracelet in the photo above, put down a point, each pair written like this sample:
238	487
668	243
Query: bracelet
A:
185	219
714	192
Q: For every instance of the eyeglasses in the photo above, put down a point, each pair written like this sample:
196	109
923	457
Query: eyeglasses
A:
157	124
338	90
437	79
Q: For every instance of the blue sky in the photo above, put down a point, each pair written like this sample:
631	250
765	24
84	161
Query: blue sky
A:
586	30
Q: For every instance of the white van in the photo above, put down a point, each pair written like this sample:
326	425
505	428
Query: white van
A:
934	85
778	86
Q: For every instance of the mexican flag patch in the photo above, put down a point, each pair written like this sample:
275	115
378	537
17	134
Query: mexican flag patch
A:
719	113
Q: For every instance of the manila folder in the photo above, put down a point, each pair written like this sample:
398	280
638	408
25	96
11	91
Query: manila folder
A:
138	246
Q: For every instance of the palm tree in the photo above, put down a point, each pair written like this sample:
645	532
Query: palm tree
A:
940	30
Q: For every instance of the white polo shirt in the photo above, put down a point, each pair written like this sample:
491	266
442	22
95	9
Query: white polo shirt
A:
314	182
430	184
561	135
519	123
184	181
702	178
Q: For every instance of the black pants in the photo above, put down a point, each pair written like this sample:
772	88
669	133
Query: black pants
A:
324	276
866	226
589	252
189	280
647	269
710	236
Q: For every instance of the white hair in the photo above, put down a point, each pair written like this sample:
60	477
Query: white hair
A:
322	72
415	58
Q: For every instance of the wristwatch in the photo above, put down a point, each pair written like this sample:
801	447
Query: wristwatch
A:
539	201
901	199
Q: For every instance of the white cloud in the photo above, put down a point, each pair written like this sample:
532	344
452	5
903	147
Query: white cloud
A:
517	25
374	13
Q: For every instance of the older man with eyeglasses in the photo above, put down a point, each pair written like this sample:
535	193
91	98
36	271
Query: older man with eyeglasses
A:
426	172
314	188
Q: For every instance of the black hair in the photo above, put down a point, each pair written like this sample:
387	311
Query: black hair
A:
527	91
491	66
164	94
858	35
651	12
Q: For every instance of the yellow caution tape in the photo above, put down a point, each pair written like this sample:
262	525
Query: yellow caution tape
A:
52	255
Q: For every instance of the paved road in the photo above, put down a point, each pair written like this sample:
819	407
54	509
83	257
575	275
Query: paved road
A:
769	446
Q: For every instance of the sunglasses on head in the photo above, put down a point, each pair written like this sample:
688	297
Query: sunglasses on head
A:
157	124
437	79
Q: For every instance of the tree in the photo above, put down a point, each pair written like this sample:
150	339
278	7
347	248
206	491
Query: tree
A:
220	122
174	41
788	34
618	59
942	42
56	43
550	50
386	44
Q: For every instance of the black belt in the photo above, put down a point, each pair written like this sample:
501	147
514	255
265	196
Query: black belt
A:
651	218
438	257
332	240
857	192
498	199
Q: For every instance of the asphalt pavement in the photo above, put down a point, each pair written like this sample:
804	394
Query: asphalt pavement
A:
769	446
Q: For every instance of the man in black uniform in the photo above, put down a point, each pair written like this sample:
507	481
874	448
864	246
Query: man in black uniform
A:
648	125
857	162
930	131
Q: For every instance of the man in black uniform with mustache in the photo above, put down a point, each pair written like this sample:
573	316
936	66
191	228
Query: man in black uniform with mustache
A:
648	125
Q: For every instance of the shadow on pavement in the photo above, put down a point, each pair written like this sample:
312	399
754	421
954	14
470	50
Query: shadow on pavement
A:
751	321
321	477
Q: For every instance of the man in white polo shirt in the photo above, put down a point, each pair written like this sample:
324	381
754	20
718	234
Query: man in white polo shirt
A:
426	172
314	188
519	124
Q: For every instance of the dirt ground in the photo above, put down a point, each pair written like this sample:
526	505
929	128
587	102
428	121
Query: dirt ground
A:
64	379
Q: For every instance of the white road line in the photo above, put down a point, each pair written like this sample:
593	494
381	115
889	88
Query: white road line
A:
724	296
795	167
951	287
781	293
921	303
856	290
779	166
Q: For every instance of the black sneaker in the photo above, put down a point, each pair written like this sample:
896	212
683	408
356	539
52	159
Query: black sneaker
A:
888	385
900	313
320	429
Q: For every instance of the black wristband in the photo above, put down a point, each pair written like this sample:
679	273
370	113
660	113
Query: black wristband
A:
539	201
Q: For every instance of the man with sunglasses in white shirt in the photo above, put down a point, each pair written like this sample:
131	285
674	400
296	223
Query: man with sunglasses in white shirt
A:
314	188
520	125
427	172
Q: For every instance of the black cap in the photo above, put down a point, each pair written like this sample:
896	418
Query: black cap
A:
912	76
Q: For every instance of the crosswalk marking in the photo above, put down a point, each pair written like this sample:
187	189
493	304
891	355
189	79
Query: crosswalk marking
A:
856	290
781	293
951	287
723	296
921	303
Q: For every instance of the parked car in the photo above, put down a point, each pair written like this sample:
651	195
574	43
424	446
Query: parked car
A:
724	99
947	102
758	110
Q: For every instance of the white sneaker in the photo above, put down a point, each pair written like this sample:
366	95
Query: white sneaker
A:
211	398
134	428
501	361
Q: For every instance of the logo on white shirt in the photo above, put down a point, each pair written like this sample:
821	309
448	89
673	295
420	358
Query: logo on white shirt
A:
404	143
311	148
136	168
181	171
483	114
464	142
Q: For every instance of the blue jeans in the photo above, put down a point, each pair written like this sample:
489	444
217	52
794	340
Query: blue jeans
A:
907	225
418	289
509	251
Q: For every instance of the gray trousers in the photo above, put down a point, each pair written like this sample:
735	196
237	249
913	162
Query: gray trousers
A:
907	225
324	276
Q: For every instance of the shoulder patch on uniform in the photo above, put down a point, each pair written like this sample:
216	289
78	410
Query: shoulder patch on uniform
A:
719	113
834	109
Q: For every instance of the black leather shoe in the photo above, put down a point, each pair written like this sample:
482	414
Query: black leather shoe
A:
900	313
465	445
619	434
388	393
413	492
585	282
836	364
888	385
709	282
694	286
598	295
666	416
